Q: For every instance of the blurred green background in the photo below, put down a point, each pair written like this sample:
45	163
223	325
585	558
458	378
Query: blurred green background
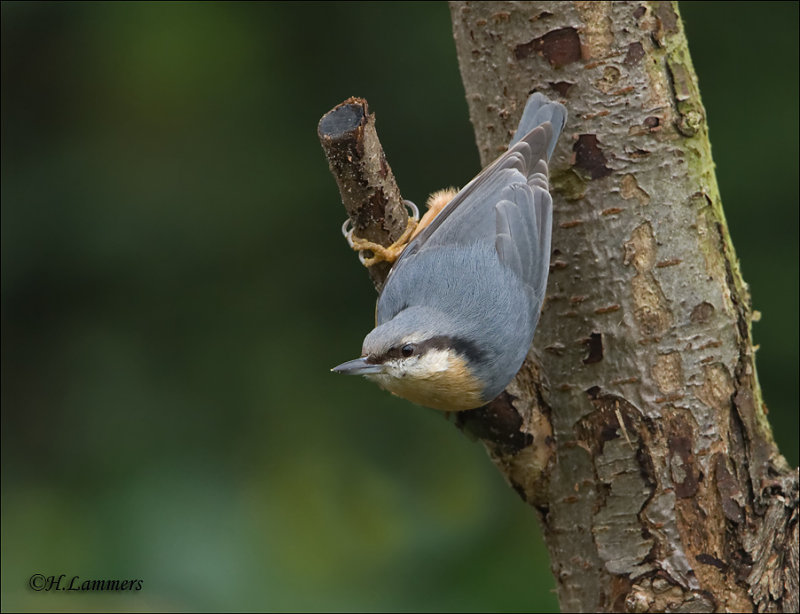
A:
168	413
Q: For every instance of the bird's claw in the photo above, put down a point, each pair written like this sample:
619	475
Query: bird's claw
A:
381	253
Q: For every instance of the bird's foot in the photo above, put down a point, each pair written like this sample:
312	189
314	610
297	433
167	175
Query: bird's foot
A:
381	253
436	202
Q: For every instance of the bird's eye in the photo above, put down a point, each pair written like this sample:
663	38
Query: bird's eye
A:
407	350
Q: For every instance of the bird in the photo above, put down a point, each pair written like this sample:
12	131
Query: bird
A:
459	308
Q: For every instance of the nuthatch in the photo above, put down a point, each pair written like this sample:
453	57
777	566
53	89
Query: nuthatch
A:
458	311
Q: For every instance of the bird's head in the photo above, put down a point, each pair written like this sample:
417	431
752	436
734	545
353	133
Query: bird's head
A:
421	358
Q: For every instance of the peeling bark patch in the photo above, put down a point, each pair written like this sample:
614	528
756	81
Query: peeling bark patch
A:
661	596
640	250
731	496
590	116
634	55
717	388
603	424
627	479
686	99
680	468
527	467
637	153
662	21
623	91
651	123
559	47
667	17
702	312
700	199
589	157
607	309
680	434
660	514
651	308
668	373
497	422
594	345
597	29
772	548
542	15
707	559
620	588
639	599
561	87
609	80
629	188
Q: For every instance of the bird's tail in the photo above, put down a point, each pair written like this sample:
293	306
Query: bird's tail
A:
538	110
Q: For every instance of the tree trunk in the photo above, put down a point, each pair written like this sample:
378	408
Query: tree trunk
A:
636	428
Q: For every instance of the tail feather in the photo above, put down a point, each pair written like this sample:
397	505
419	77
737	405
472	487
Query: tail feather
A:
538	110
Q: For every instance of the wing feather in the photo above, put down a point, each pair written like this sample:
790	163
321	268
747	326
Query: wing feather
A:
507	204
470	215
507	216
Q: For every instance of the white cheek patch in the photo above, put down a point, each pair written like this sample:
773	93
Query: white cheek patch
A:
401	367
434	361
419	367
428	365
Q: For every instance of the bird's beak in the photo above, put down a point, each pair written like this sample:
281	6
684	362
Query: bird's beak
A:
359	366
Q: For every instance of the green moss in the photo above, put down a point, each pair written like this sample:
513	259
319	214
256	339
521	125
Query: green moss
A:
715	240
569	184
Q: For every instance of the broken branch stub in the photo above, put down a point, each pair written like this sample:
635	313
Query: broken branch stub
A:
366	183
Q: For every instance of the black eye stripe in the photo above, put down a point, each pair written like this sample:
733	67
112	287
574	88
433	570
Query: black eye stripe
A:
459	344
441	342
403	351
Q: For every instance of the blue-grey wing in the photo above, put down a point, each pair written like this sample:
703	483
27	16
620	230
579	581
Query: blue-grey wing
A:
524	219
470	215
507	204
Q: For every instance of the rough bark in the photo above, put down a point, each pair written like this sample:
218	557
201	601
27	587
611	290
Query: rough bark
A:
366	183
637	427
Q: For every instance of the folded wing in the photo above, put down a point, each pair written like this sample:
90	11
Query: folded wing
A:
509	204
